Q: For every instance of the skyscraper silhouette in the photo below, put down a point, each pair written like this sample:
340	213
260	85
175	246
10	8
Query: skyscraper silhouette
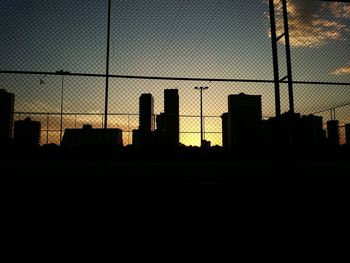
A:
7	105
347	134
311	131
161	122
225	118
146	118
136	138
333	132
245	122
172	120
27	133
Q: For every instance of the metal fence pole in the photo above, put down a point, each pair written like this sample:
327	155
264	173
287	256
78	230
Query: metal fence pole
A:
107	64
61	111
275	58
47	127
201	110
288	57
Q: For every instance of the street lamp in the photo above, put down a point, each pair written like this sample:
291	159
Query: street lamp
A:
62	73
201	109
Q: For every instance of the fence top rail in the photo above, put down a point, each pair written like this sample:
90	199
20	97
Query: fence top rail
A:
137	114
75	113
100	114
171	78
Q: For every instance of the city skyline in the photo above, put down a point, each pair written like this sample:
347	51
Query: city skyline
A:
243	129
173	95
203	39
189	135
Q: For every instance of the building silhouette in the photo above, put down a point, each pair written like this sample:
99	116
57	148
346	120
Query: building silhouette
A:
245	120
136	138
146	119
166	136
291	131
161	122
170	120
225	119
27	133
333	132
347	134
206	144
91	138
7	106
311	131
281	132
160	134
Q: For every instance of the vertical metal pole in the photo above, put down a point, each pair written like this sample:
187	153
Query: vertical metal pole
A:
61	113
203	127
47	128
333	117
128	128
288	57
107	64
275	58
201	97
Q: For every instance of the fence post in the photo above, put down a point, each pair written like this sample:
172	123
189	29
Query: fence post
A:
47	127
107	63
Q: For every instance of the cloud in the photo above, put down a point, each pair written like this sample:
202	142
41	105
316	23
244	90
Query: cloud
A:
340	10
313	24
342	71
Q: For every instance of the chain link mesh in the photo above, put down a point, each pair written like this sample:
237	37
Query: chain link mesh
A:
158	44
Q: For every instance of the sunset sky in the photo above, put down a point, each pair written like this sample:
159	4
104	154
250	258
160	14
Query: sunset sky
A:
180	38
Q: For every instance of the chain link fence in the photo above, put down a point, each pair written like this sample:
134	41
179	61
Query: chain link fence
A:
158	44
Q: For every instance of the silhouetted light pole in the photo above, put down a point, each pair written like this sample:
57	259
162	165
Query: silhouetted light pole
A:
62	73
201	108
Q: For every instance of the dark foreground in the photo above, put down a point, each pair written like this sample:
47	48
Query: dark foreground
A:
21	176
53	169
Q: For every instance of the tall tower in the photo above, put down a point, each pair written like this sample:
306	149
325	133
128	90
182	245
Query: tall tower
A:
171	111
7	106
146	119
146	110
245	122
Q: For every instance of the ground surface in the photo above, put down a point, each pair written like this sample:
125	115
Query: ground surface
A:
17	175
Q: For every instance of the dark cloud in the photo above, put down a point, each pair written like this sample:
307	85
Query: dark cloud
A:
314	23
